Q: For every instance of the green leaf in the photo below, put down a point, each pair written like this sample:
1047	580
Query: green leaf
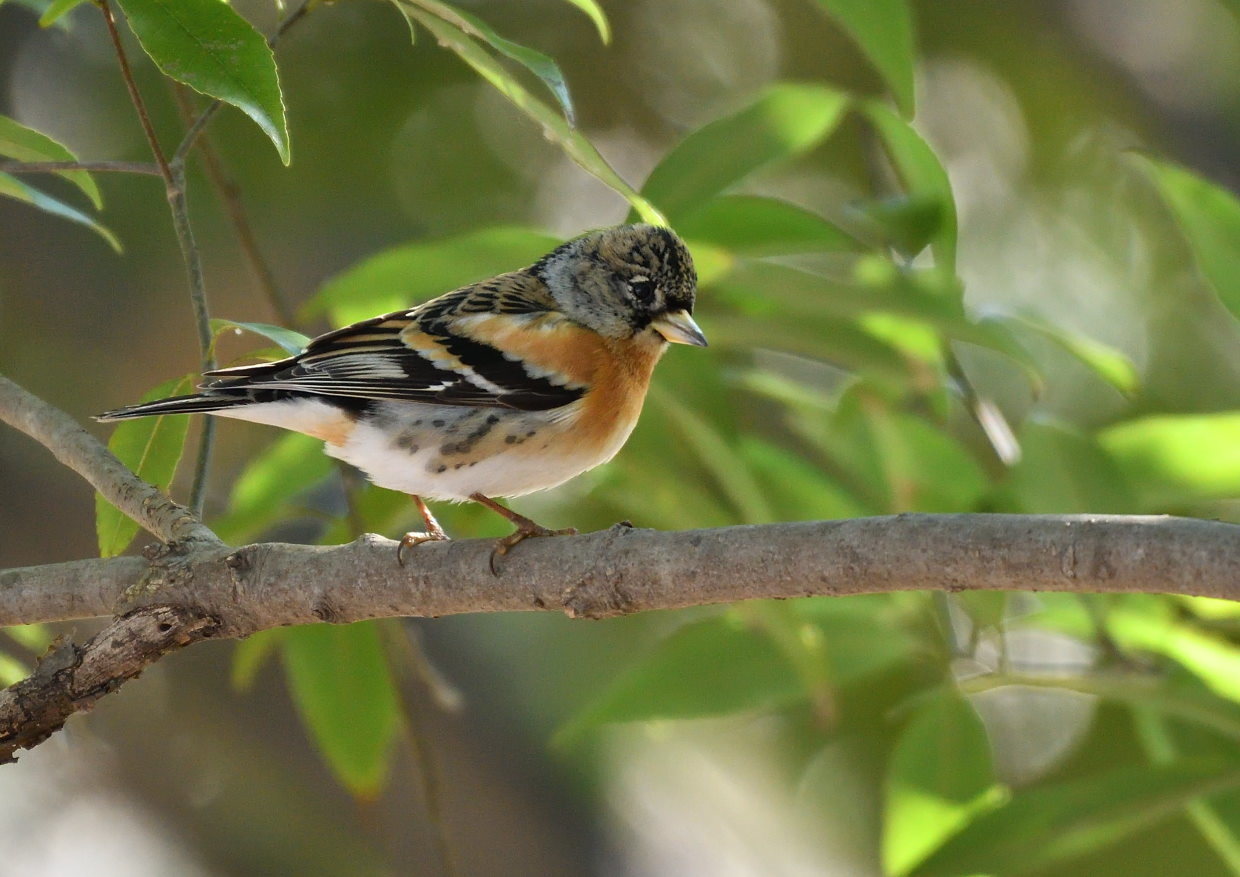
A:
752	225
11	670
56	9
35	637
906	223
798	490
26	144
554	126
785	120
151	447
1062	471
1212	659
1209	217
1053	823
1175	460
707	668
408	274
939	778
251	653
536	62
922	174
15	188
884	31
292	342
261	497
206	45
592	9
1112	365
344	690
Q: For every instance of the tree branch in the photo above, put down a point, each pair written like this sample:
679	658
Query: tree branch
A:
83	453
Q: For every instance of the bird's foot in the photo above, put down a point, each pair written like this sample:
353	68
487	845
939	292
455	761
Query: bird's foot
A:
524	531
411	540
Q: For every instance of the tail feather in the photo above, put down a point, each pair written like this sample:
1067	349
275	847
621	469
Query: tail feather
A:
198	403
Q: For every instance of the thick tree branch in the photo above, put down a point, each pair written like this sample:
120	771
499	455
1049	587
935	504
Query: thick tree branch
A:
82	452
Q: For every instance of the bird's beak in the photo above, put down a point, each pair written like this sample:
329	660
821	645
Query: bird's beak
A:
678	327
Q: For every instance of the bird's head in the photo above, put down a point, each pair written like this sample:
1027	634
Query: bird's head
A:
626	281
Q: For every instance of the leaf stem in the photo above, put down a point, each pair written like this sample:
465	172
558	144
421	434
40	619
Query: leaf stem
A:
134	95
53	167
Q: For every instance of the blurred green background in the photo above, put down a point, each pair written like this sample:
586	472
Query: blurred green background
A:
1054	333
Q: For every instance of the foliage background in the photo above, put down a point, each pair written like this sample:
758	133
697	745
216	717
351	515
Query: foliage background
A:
850	736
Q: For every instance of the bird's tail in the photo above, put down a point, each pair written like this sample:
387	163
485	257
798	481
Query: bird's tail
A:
198	403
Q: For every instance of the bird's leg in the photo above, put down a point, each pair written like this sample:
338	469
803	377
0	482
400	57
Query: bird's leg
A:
434	532
525	528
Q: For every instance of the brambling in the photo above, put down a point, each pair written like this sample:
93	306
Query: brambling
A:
508	386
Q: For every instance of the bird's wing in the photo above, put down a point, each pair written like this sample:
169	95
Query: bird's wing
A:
463	348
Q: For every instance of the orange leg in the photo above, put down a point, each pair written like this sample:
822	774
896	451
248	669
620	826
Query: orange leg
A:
525	528
434	532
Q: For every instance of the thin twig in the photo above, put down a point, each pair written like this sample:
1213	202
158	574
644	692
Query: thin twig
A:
134	95
55	167
229	195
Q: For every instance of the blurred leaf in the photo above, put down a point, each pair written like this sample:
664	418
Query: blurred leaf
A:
26	144
406	275
907	223
1212	659
1209	216
798	490
206	45
292	342
554	126
986	609
939	778
1173	460
35	637
592	9
15	188
536	62
291	465
722	666
251	653
55	10
786	120
1112	365
753	225
344	691
1158	743
923	175
1062	471
884	31
151	447
11	670
1052	823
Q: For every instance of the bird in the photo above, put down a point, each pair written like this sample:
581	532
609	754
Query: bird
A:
500	388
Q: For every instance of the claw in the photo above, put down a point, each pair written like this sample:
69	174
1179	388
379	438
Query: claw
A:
503	546
410	540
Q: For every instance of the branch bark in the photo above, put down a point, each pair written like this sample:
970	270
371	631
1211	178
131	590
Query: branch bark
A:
192	586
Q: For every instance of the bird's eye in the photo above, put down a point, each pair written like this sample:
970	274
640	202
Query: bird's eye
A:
642	289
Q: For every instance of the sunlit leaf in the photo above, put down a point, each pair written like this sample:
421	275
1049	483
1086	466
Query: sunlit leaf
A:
26	144
906	223
35	637
592	9
15	188
784	121
1112	365
939	778
554	126
206	45
56	9
921	172
406	275
1173	460
797	489
11	670
1213	659
542	66
261	497
884	31
752	225
291	341
344	690
251	653
1053	823
151	447
1209	216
